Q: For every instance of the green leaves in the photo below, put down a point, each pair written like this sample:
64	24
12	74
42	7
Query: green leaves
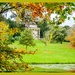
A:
74	18
59	35
27	38
68	18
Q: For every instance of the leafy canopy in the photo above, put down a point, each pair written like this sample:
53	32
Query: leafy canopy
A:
41	9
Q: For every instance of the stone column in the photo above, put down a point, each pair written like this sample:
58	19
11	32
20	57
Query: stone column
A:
38	33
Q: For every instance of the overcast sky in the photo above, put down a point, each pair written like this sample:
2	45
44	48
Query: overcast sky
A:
67	22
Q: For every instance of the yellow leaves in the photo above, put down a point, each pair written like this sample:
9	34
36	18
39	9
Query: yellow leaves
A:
28	69
2	57
16	30
19	4
5	31
23	51
13	31
3	26
24	4
18	19
58	9
13	4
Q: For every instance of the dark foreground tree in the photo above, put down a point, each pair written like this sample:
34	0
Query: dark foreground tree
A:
8	55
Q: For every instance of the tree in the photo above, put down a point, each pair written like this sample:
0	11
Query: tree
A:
43	25
71	35
27	38
12	25
59	35
72	39
9	55
67	27
47	38
15	26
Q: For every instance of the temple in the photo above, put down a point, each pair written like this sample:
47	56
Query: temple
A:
34	28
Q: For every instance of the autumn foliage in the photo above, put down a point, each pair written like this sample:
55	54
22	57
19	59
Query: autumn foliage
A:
40	9
10	58
71	38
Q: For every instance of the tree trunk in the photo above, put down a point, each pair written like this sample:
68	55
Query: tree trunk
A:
26	48
61	42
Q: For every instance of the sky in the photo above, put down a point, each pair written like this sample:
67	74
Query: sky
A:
70	22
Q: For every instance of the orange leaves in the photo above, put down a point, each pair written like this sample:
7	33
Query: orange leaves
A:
32	52
20	51
61	7
37	9
71	38
36	14
34	6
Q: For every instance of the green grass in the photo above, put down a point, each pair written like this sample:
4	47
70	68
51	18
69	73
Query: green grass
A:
56	53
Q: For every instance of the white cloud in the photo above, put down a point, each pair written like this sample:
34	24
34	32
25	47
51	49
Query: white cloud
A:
70	22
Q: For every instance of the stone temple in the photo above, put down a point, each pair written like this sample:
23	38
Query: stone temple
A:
35	29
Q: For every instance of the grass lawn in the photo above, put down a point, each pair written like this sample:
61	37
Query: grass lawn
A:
56	53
